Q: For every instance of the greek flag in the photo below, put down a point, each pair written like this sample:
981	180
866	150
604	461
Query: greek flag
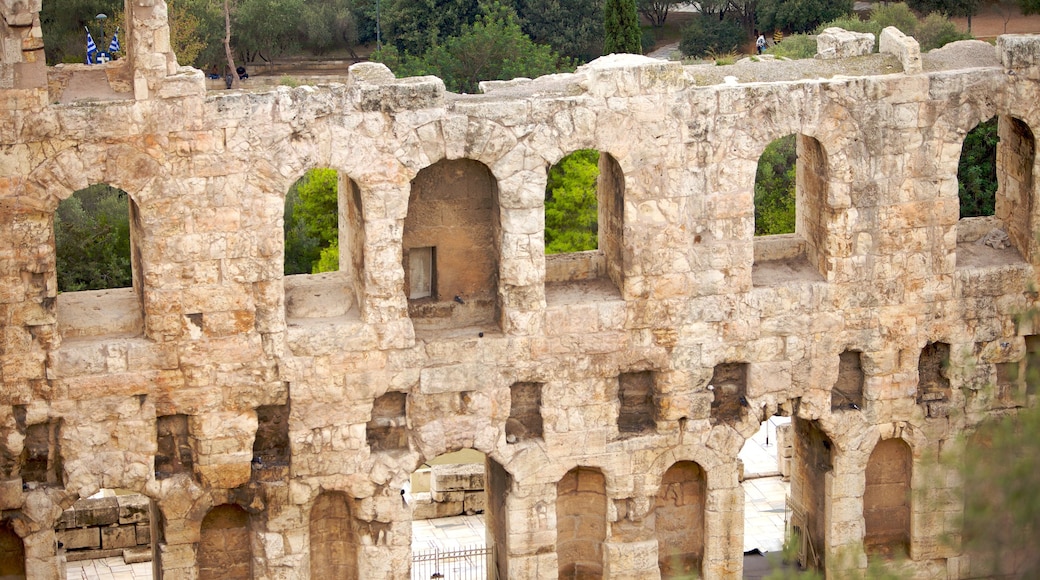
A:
114	45
91	48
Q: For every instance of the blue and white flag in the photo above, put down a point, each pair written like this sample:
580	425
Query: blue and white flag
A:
91	48
114	45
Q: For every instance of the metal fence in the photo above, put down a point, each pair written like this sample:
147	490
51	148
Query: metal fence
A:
468	563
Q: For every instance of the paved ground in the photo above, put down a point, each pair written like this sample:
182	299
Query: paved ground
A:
108	569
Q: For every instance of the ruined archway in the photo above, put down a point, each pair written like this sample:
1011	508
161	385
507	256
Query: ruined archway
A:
324	246
581	523
225	551
886	499
679	520
451	246
333	539
790	209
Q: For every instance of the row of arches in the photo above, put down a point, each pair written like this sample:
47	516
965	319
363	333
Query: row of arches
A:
678	519
452	236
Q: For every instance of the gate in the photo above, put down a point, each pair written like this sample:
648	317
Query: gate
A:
468	563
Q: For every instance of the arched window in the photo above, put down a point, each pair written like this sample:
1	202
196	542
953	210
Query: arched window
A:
790	208
98	265
995	194
324	246
584	226
451	246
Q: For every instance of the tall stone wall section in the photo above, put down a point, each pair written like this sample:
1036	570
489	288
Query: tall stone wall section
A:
882	274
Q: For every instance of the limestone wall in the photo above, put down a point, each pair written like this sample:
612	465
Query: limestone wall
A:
712	336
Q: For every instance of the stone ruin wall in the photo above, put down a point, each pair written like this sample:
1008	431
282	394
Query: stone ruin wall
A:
279	417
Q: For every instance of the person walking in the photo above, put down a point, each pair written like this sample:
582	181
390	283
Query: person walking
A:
760	44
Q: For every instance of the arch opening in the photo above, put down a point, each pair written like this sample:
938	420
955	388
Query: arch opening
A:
995	194
765	472
12	554
452	236
458	501
225	549
333	537
581	523
679	520
584	227
98	264
886	500
812	460
790	197
112	528
324	235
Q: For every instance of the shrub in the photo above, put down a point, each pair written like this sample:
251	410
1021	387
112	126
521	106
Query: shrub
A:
852	24
898	15
936	30
707	35
796	46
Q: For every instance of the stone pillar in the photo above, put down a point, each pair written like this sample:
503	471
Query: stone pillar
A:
22	62
156	72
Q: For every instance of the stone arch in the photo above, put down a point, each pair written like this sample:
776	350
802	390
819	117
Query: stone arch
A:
225	546
679	520
334	293
581	523
886	499
12	553
452	236
333	540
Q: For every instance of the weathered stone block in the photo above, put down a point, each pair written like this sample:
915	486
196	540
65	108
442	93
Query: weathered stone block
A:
118	537
80	538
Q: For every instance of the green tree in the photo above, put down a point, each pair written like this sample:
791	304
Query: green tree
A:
656	11
327	25
799	15
262	28
574	28
196	31
492	48
621	27
415	26
65	39
92	240
571	214
1029	6
311	223
951	8
706	35
977	170
775	183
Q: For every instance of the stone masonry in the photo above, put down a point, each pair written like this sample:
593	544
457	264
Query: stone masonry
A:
273	421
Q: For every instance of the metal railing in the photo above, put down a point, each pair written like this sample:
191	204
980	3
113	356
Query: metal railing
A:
467	563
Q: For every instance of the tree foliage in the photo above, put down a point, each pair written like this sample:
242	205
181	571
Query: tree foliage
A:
196	31
574	28
571	214
934	31
775	183
621	27
415	26
799	15
65	39
656	11
492	48
312	223
977	170
952	8
706	35
92	240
